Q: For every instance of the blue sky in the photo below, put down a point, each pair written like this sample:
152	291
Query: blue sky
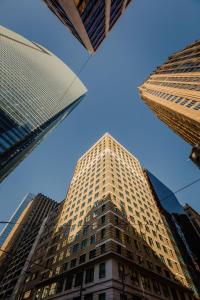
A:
142	39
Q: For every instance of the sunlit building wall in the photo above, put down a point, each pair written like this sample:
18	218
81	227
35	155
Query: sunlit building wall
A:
109	239
172	92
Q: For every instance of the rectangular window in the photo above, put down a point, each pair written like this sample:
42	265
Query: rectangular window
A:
103	232
78	279
102	270
92	253
102	296
93	239
84	244
103	248
73	263
82	258
88	297
89	276
103	219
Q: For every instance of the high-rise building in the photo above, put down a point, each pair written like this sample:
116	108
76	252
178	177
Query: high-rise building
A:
172	93
88	20
17	248
194	217
37	92
184	232
109	240
11	223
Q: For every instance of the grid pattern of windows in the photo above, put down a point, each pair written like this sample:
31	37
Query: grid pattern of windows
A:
173	93
110	213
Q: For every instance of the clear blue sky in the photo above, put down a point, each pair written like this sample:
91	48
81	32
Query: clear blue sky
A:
143	38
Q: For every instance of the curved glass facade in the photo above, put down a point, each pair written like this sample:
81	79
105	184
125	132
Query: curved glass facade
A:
37	91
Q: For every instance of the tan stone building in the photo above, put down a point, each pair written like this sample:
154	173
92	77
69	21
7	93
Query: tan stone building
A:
108	240
88	20
172	92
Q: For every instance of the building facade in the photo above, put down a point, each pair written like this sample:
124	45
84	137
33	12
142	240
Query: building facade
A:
37	92
9	226
194	217
88	20
172	93
182	228
108	240
17	248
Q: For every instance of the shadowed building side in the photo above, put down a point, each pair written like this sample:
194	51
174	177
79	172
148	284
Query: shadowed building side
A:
18	244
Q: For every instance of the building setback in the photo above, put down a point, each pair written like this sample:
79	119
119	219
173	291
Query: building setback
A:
172	92
17	248
109	240
88	20
37	92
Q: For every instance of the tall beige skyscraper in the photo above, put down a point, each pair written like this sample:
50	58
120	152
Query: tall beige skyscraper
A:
172	93
108	240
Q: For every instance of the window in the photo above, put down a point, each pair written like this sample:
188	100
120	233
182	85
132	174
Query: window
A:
92	254
103	232
103	248
86	230
82	258
89	276
84	244
103	219
93	239
116	219
103	207
78	279
117	233
75	248
102	270
88	297
73	263
102	296
119	249
69	281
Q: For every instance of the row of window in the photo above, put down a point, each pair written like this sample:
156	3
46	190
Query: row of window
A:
176	99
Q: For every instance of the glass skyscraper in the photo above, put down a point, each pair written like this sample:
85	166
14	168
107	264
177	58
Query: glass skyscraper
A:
37	92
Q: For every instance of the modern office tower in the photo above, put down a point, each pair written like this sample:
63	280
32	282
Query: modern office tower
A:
88	20
172	93
17	248
37	92
11	223
185	234
194	217
109	240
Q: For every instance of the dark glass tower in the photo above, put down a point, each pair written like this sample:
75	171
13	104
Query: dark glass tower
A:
184	232
37	92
